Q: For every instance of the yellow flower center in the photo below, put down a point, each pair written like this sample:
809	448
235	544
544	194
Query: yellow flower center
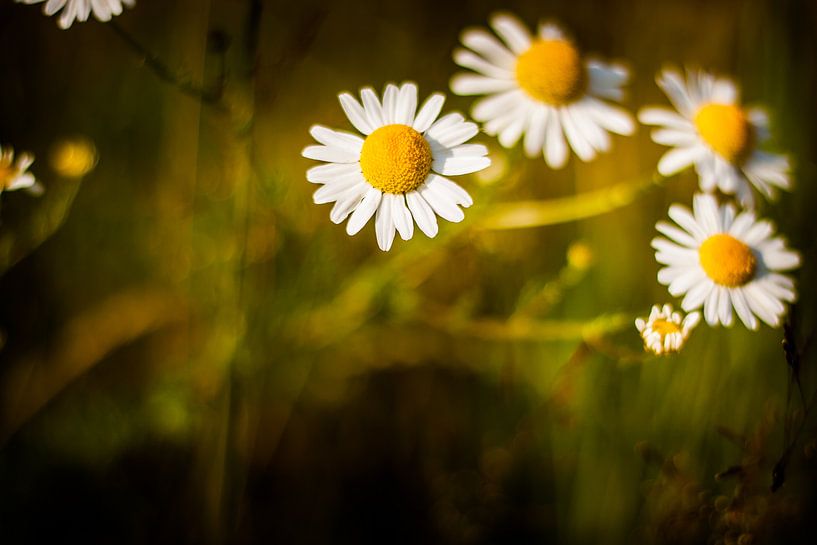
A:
664	328
726	129
551	71
7	174
727	261
395	159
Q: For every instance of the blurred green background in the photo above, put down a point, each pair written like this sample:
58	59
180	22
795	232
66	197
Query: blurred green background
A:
193	352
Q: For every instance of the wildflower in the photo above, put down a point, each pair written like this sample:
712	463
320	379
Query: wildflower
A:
713	131
397	172
79	10
14	175
665	331
543	88
724	260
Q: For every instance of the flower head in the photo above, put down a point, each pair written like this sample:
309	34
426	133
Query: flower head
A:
724	260
397	170
79	10
665	331
543	88
14	175
714	132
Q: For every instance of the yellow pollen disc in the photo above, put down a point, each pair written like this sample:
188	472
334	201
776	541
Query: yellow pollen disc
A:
6	175
726	129
727	261
665	327
395	159
551	71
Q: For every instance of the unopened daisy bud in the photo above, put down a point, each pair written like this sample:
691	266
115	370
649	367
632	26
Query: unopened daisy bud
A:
14	174
74	157
666	331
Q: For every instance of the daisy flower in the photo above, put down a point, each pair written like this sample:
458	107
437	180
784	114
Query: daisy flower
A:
542	88
723	260
397	170
665	331
14	175
79	10
714	132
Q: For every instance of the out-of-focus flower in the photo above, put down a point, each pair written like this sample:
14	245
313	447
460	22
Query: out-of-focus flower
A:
397	171
73	157
79	10
723	260
666	331
715	133
14	174
541	87
580	256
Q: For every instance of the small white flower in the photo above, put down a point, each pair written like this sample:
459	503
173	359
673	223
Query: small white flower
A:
666	331
397	172
79	10
721	260
541	87
14	175
713	131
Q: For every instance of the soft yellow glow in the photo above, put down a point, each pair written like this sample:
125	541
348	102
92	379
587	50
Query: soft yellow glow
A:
73	158
726	129
727	261
551	71
395	159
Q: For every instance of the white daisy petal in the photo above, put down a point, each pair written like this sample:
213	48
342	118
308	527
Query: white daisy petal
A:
453	166
364	211
356	114
468	59
428	112
330	154
441	202
662	116
489	47
339	139
579	144
406	104
535	135
610	117
470	84
457	193
390	104
401	217
512	31
384	224
326	173
423	214
374	111
677	159
555	146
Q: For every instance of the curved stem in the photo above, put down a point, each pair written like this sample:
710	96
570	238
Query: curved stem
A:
209	95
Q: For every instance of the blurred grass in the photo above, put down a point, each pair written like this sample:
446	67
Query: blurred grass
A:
198	355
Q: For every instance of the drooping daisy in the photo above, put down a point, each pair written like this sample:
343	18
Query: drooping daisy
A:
723	260
543	88
14	175
714	132
398	170
665	331
79	10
